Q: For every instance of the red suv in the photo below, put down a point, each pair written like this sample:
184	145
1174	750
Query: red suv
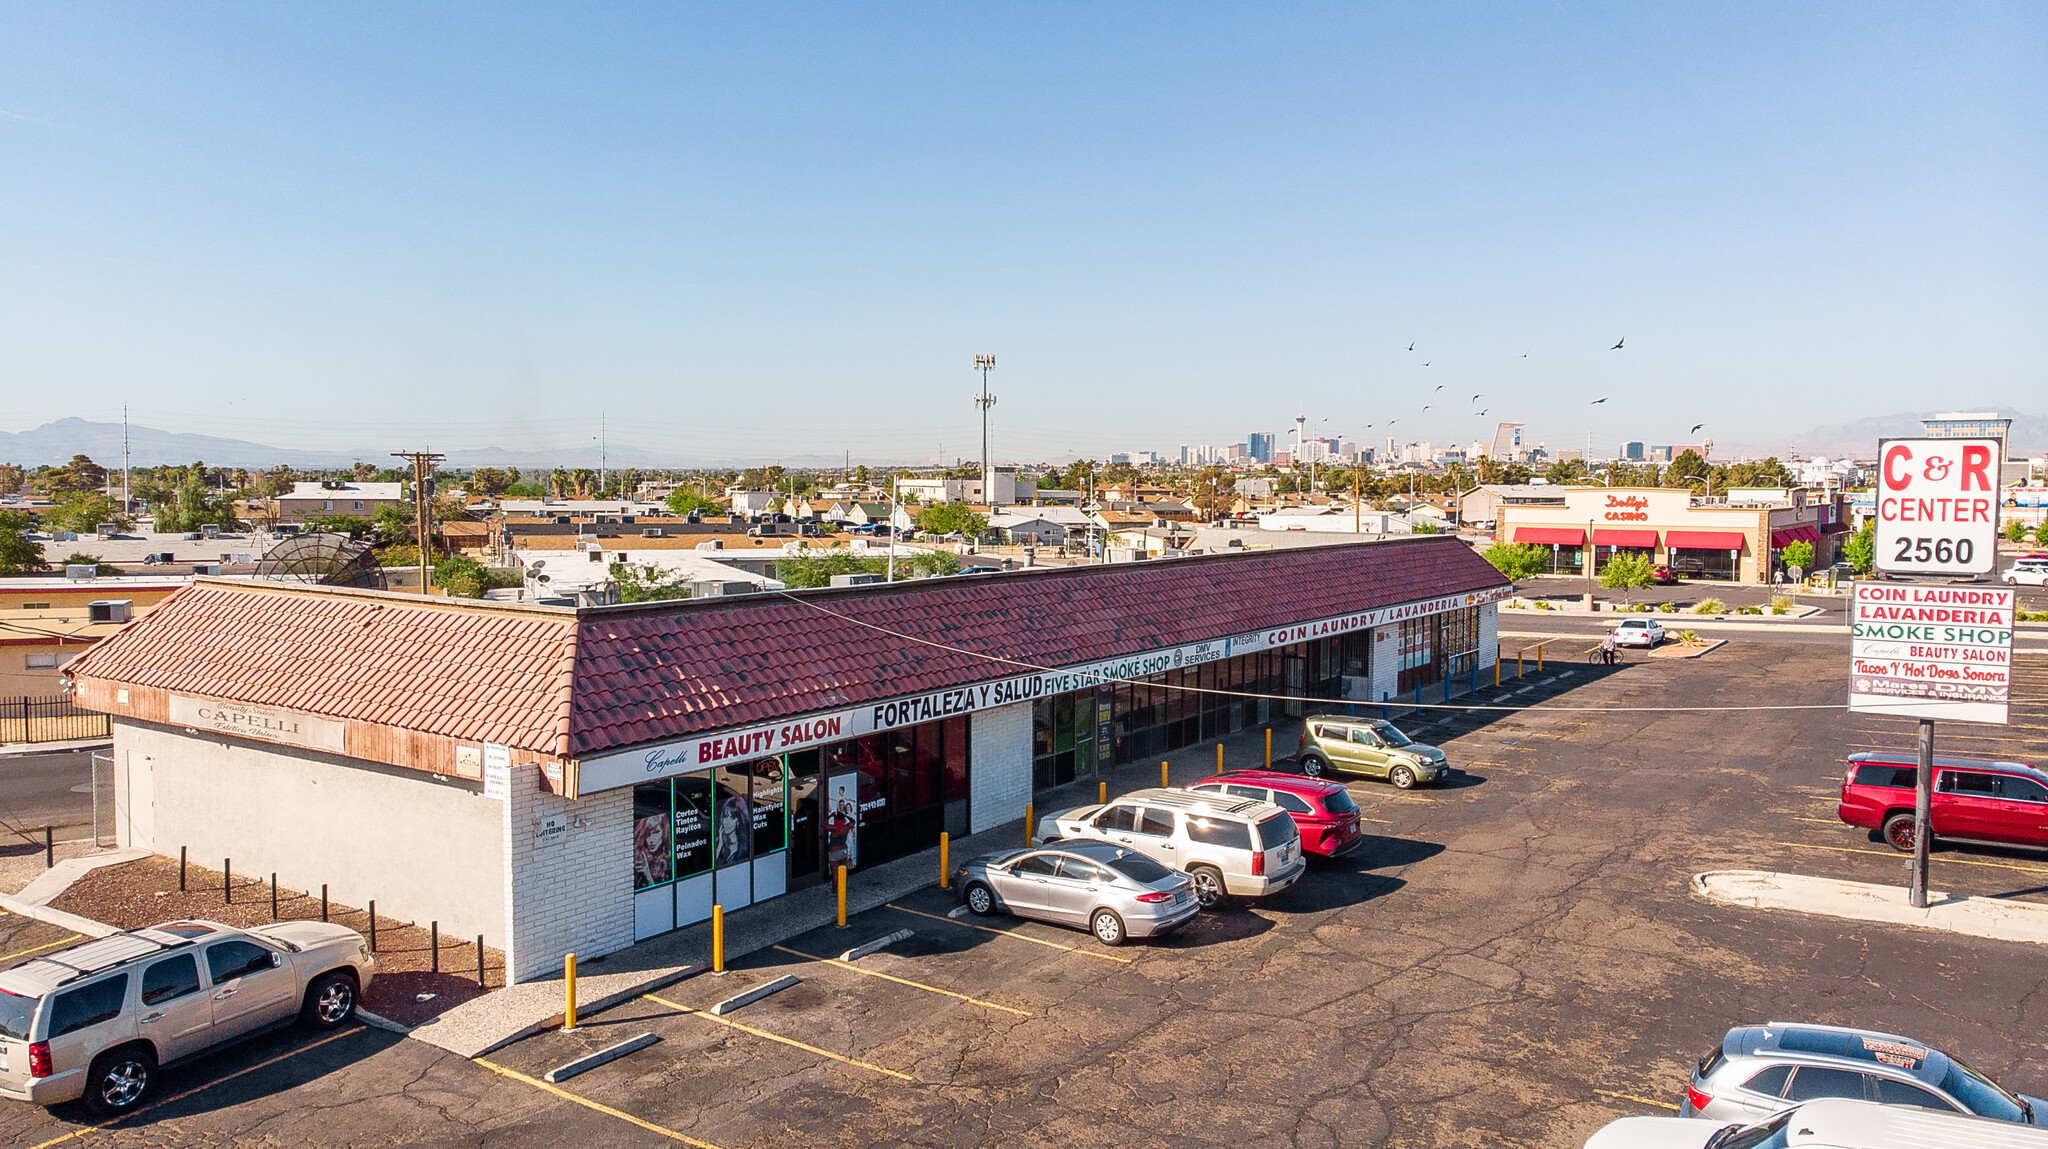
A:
1990	803
1322	811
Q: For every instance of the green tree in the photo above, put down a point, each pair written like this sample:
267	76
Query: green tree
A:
19	554
12	476
2015	531
492	482
952	518
354	526
809	568
462	576
79	475
1798	554
1626	572
84	511
1687	470
1517	561
684	501
1566	472
1768	473
648	583
1860	549
1423	527
393	525
2041	534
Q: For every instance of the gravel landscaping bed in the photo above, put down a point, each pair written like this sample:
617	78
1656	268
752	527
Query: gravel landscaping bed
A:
145	892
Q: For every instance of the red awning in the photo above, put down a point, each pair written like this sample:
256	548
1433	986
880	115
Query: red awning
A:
1705	540
1568	536
1803	533
1603	537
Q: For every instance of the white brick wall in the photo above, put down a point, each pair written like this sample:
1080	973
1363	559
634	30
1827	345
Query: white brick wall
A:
574	894
999	777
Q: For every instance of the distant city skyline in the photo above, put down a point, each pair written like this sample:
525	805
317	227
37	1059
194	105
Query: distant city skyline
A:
749	233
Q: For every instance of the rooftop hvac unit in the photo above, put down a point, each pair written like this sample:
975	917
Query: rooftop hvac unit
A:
713	545
652	533
210	530
111	609
78	571
206	568
107	530
719	588
858	579
64	536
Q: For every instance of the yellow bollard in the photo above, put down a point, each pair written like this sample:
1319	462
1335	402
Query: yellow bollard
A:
1519	655
1219	757
1163	780
1269	748
1102	793
945	858
568	991
1496	670
1028	825
1539	658
717	939
842	896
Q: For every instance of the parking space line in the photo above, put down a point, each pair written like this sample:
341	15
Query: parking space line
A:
1013	934
85	1129
1822	821
1907	857
1372	792
905	981
39	949
587	1103
790	1041
1640	1100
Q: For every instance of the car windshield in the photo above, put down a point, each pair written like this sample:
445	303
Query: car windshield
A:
1339	802
1139	868
1975	1090
16	1012
1766	1134
1392	736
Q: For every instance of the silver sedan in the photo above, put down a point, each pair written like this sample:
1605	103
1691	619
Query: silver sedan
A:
1111	891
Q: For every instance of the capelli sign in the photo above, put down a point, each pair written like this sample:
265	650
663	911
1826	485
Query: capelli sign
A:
268	723
1627	509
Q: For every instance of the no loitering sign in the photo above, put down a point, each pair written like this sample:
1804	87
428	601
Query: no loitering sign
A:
1923	651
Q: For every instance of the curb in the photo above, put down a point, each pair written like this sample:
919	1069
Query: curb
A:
1869	904
41	913
382	1022
23	749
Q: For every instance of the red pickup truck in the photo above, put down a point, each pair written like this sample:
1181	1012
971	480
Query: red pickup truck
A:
1990	803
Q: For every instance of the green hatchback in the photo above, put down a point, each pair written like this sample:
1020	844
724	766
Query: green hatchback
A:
1369	746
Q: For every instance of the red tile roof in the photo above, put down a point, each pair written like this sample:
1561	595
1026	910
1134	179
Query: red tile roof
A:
578	683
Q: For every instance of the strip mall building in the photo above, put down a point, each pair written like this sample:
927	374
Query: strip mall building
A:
565	779
1736	538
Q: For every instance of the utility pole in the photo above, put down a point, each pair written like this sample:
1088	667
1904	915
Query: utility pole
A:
985	364
1357	486
600	455
127	489
423	464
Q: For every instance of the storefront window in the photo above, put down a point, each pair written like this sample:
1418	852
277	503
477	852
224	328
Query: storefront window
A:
767	803
734	824
652	860
1704	563
693	824
1602	554
806	816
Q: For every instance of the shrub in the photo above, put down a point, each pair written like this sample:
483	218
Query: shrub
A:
2031	615
1689	637
1710	606
1542	604
1668	607
1781	604
2015	531
2041	534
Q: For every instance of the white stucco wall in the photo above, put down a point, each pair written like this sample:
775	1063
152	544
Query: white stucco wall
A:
1489	634
425	850
1386	661
566	890
999	778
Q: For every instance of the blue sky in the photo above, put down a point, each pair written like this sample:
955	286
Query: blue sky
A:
759	231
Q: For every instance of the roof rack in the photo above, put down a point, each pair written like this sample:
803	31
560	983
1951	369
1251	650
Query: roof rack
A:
102	954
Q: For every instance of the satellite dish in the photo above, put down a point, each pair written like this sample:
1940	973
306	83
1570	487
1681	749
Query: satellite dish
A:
539	563
544	578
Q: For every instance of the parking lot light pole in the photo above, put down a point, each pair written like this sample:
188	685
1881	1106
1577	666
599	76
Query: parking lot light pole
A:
1923	797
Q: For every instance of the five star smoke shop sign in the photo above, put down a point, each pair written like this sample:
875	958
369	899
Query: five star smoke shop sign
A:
1929	649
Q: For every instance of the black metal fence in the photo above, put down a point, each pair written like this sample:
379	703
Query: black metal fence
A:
53	719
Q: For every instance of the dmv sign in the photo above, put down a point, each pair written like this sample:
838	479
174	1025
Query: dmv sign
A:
1937	506
1931	651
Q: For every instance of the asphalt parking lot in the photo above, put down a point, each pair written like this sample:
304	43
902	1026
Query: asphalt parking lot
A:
1513	959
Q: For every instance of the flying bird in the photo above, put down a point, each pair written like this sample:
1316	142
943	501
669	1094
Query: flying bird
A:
1425	363
1425	406
1411	347
1618	343
1439	387
1695	428
1475	398
1484	412
1597	402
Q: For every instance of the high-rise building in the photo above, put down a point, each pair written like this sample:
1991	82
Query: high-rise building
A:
1507	441
1980	425
1259	445
1631	452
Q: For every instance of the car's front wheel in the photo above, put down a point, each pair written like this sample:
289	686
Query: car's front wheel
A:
1898	832
1312	766
981	900
1109	929
330	1000
1209	887
1402	777
118	1080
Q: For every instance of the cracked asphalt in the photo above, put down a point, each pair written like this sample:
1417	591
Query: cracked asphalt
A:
1513	960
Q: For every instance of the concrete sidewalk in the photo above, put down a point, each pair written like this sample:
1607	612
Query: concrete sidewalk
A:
17	749
2005	920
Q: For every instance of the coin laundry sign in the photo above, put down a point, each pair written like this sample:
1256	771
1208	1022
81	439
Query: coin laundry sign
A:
1932	651
1937	506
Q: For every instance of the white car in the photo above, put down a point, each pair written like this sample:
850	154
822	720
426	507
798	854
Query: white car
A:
2027	574
1826	1124
1230	847
1645	632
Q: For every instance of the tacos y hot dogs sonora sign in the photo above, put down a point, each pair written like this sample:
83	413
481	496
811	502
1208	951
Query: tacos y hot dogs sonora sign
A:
646	763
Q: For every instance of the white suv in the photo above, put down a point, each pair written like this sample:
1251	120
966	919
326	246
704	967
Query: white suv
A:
2028	572
1230	847
99	1019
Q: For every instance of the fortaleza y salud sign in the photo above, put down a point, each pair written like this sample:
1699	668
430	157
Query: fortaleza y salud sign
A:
1931	651
627	767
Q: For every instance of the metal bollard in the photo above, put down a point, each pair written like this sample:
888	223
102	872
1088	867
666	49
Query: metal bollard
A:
227	881
273	895
434	942
181	869
1539	658
568	992
1386	711
717	939
49	848
945	861
1269	748
480	962
1029	824
1164	782
1102	793
373	925
1219	757
1496	670
1519	655
841	882
323	901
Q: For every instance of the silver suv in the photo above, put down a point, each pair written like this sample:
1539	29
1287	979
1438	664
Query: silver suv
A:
1758	1070
1231	847
99	1019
